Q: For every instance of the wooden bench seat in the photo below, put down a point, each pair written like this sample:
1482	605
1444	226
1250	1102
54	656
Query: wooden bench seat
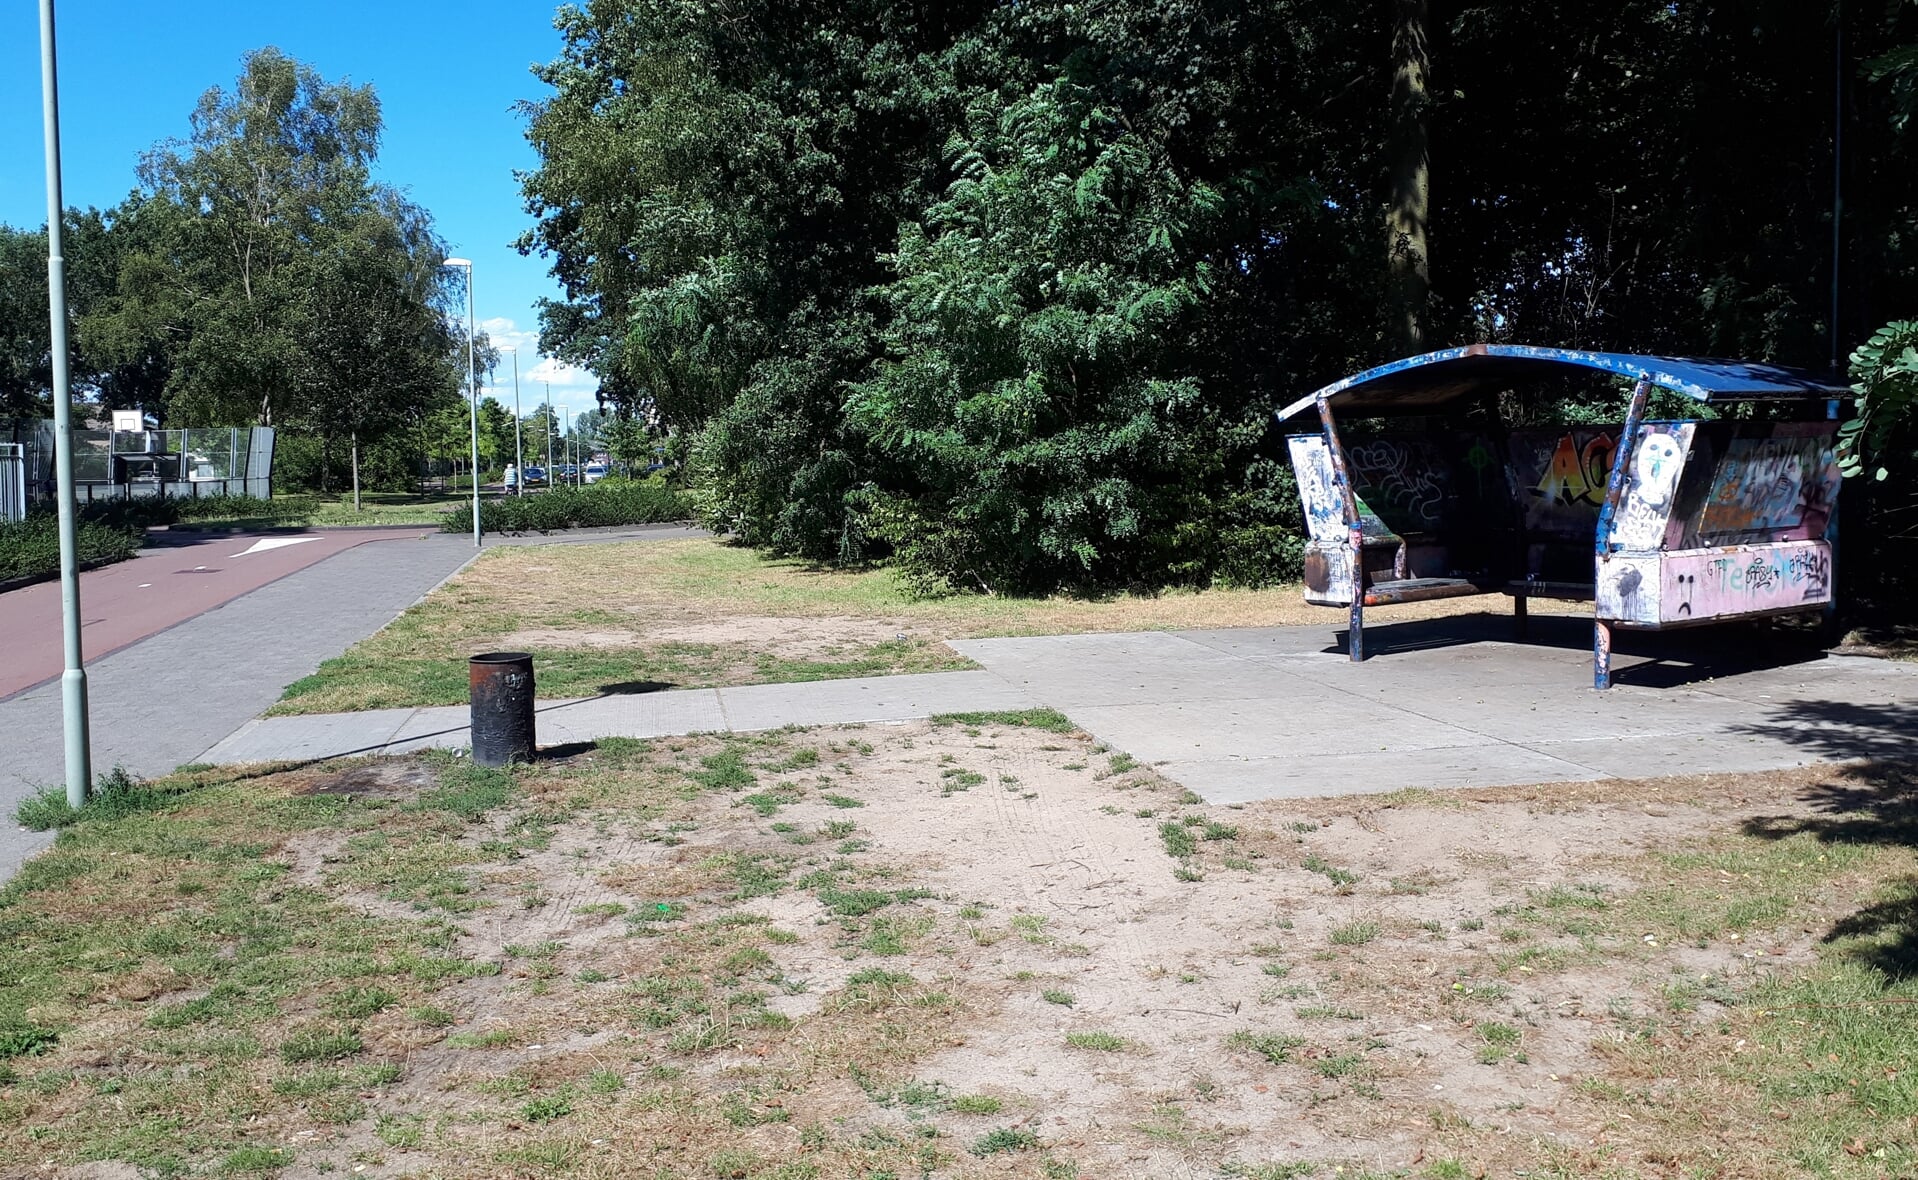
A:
1421	589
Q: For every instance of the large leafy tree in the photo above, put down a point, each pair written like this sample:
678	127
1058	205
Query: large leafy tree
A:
774	236
1026	415
24	364
265	167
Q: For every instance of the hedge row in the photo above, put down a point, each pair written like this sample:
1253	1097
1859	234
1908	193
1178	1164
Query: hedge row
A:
31	547
609	502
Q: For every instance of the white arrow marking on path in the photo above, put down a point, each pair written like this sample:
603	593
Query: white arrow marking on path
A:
265	543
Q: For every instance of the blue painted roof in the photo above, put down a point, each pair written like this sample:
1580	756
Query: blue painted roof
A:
1420	382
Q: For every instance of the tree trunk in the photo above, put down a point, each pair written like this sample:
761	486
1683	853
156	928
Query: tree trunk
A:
356	472
326	464
1408	271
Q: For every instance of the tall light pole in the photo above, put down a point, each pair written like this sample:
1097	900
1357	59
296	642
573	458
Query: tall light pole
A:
549	434
519	450
73	681
472	381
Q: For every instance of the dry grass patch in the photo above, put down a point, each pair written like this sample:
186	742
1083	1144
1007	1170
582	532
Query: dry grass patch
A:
618	964
639	616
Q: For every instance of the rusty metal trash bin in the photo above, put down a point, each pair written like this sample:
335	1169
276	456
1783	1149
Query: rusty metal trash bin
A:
500	686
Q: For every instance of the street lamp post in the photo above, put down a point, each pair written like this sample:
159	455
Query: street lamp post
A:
548	420
519	450
472	381
73	681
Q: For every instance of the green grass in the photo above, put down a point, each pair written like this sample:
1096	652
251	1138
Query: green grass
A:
1004	1139
1103	1042
1274	1047
1049	720
1357	932
618	588
1178	840
1340	878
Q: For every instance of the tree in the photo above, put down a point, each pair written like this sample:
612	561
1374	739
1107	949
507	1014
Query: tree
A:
627	440
372	352
25	366
1408	266
747	206
1034	429
264	276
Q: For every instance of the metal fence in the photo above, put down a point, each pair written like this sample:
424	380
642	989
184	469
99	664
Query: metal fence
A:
142	464
13	482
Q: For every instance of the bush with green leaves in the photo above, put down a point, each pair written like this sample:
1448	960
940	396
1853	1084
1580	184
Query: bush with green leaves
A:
1034	426
31	547
607	503
1884	371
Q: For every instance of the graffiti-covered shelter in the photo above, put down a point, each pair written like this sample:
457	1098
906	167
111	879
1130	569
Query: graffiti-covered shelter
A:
1659	524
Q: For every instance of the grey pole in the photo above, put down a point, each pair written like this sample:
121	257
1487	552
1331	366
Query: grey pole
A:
519	448
73	681
472	408
472	385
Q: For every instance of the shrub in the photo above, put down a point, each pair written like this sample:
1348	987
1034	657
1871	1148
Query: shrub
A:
604	504
31	547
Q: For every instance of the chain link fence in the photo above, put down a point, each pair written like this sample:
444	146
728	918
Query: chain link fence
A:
137	464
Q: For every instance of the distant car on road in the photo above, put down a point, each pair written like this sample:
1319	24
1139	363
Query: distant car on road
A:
595	472
566	472
535	477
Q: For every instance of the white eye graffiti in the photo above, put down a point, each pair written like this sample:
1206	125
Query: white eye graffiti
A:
1655	470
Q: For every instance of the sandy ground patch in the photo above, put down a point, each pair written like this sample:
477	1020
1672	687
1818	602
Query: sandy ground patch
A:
1376	983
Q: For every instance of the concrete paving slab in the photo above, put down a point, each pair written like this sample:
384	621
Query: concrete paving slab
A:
1079	671
1315	775
303	739
1714	752
440	728
875	698
639	715
1266	727
1454	702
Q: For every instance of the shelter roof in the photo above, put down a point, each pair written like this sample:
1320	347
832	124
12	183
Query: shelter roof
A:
1423	383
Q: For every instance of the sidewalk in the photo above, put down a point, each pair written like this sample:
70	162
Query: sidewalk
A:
640	715
1279	712
158	703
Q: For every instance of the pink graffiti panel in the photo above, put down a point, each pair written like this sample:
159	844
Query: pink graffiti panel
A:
1744	580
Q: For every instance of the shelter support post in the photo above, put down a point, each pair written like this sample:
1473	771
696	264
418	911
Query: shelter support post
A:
1354	531
1521	619
1602	541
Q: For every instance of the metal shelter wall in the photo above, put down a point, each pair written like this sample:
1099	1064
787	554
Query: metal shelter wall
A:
13	482
172	464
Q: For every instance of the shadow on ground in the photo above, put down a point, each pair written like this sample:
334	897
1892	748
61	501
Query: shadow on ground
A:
1872	801
1642	659
624	688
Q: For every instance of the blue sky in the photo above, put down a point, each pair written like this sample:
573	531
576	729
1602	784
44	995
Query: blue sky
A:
447	76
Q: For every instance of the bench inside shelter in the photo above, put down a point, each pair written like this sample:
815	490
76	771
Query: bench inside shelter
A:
1660	524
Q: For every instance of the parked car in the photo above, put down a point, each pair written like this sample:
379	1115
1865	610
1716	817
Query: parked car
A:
595	472
566	472
535	477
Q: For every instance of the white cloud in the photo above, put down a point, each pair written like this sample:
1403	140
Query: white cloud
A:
571	387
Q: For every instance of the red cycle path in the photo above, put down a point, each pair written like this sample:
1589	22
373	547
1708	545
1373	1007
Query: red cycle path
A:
185	575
